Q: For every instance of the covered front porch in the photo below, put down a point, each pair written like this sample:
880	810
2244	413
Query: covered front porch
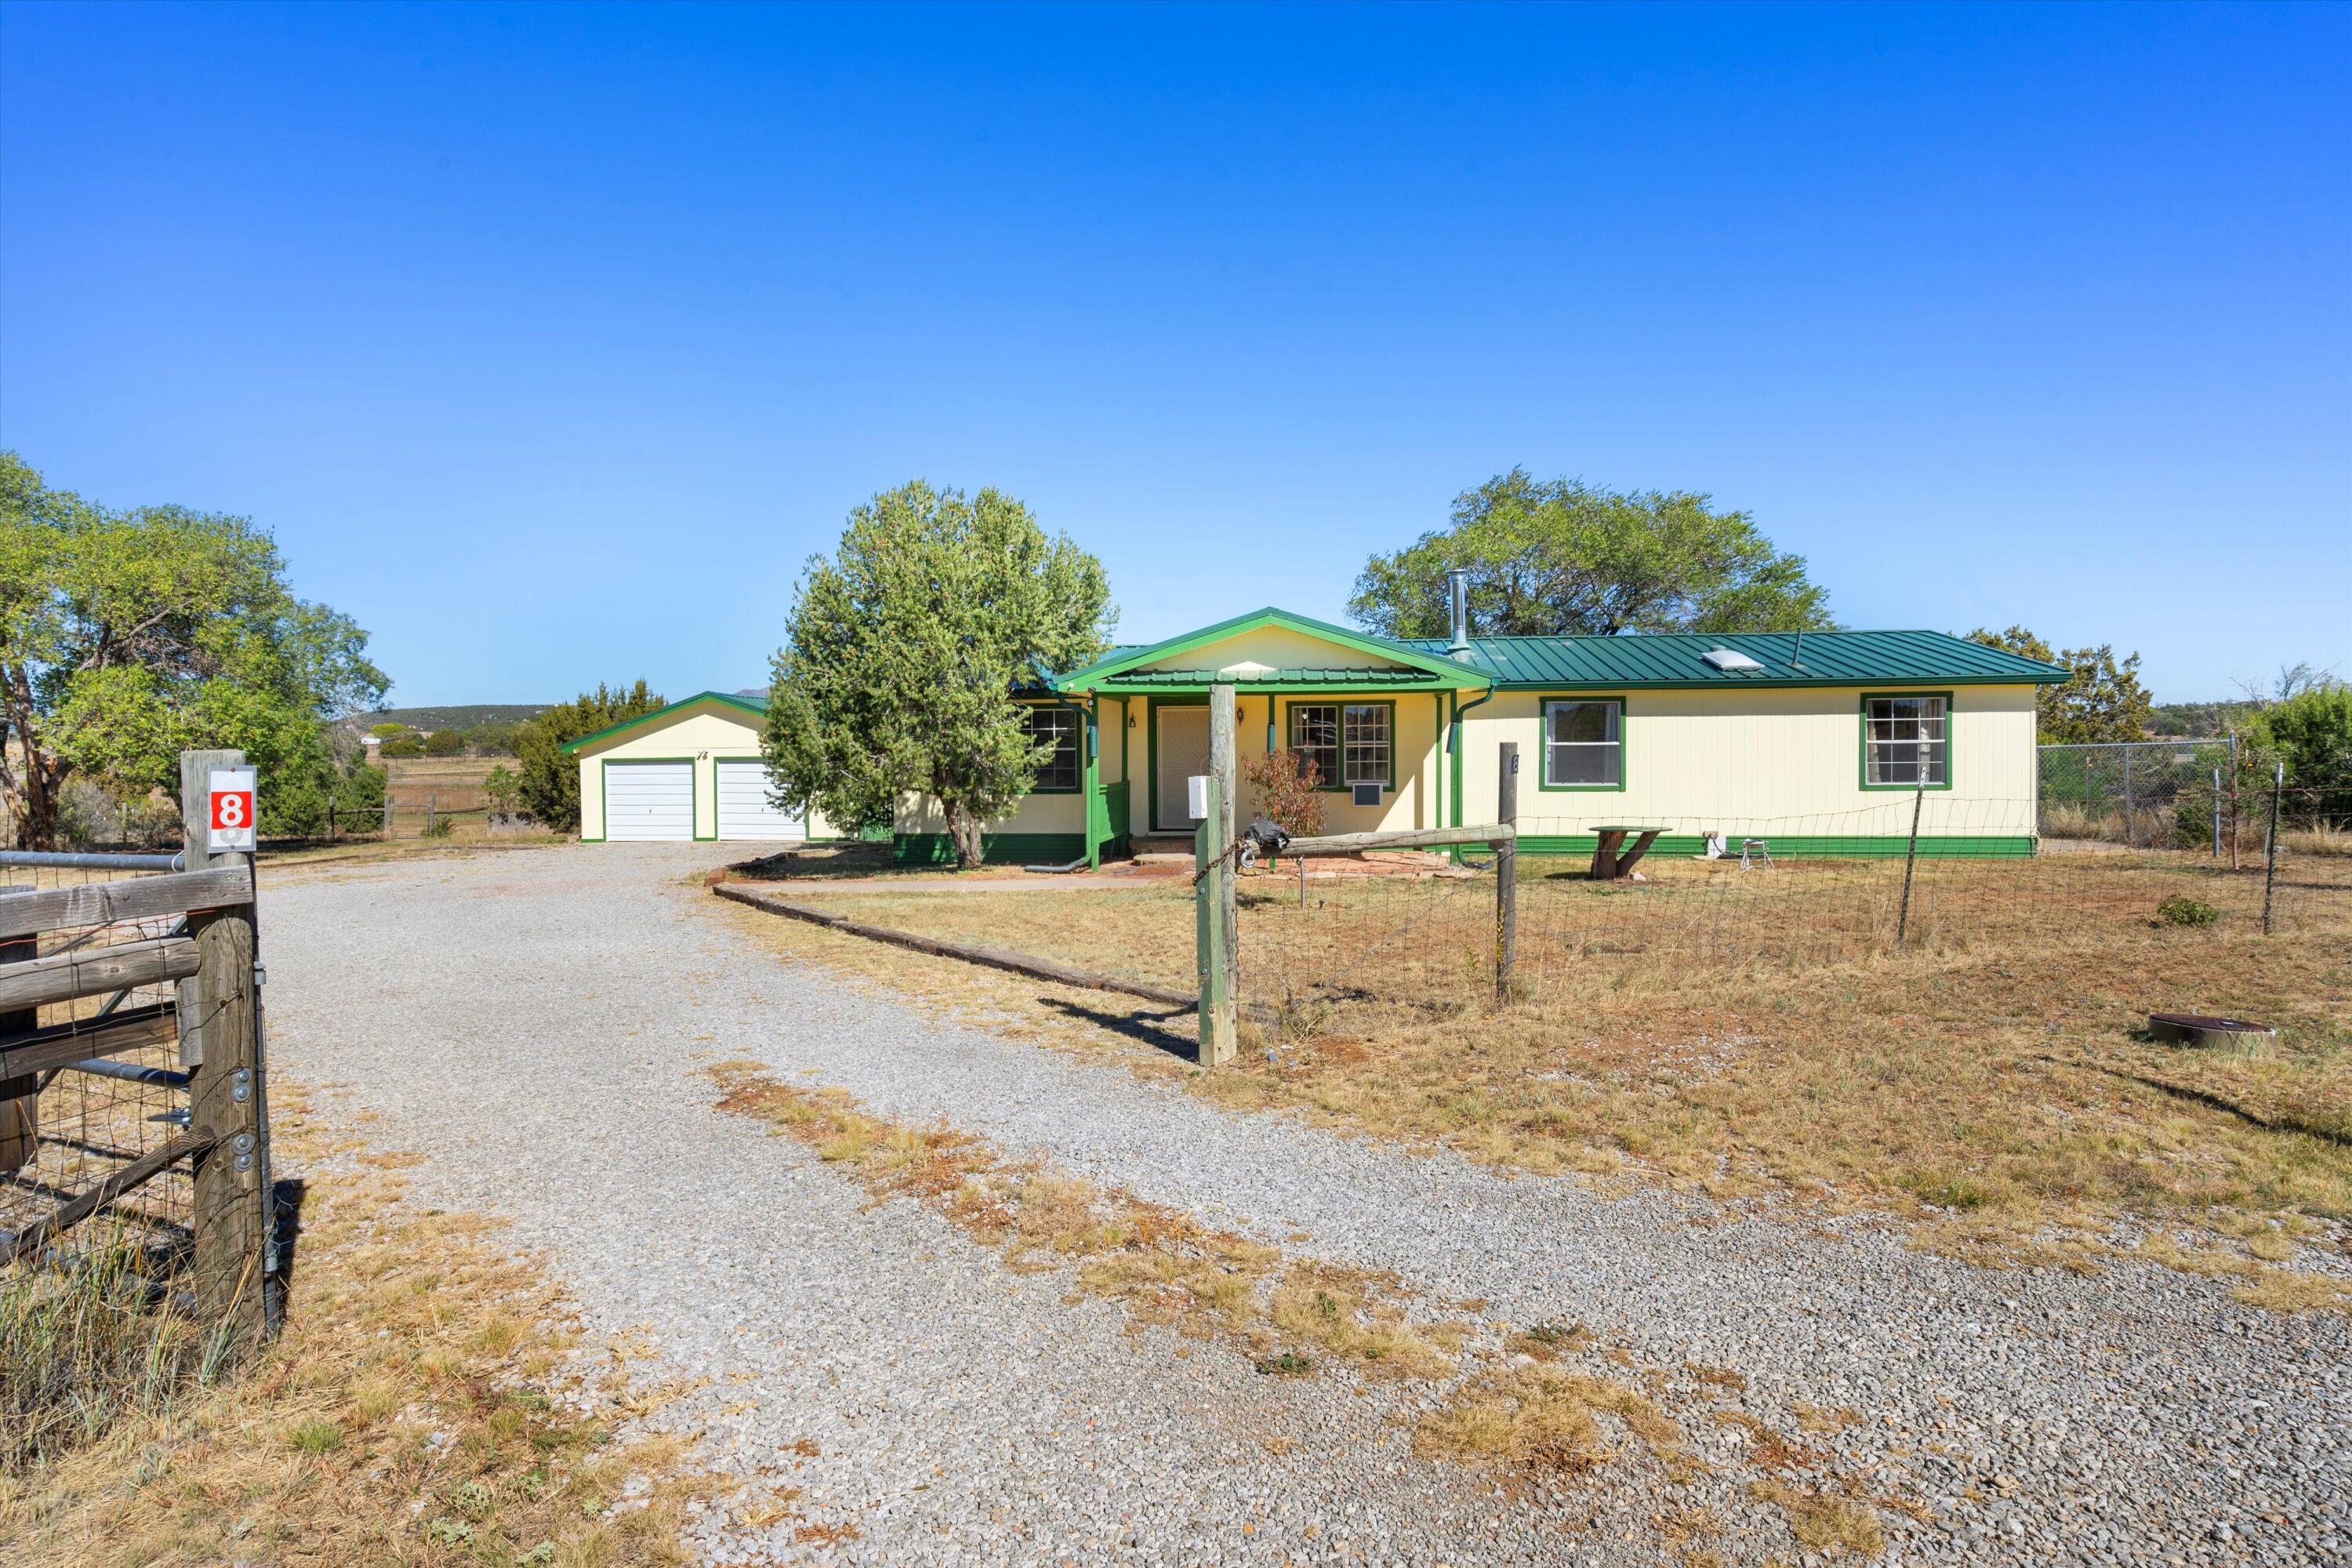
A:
1380	721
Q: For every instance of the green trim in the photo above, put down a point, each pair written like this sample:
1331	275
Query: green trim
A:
995	848
1543	743
1455	739
1437	739
757	710
693	798
1811	846
1105	670
1343	703
1951	742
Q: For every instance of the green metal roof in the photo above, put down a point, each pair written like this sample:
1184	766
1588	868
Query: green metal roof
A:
756	706
1817	658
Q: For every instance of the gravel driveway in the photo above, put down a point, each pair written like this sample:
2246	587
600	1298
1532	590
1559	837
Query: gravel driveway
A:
534	1023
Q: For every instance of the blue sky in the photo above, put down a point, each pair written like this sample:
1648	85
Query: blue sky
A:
549	342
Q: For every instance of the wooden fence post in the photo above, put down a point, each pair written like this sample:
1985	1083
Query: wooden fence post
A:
1506	873
1217	912
219	1042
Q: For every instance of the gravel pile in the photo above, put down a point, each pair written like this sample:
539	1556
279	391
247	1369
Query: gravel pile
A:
534	1022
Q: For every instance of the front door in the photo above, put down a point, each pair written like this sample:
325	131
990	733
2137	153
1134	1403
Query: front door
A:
1183	754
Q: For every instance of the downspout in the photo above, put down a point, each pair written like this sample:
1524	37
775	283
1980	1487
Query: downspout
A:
1092	859
1455	744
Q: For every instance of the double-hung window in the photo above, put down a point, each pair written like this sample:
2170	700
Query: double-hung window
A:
1906	742
1348	742
1584	743
1058	727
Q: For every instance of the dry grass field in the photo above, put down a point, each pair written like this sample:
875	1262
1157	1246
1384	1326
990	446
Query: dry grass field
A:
418	1410
1757	1033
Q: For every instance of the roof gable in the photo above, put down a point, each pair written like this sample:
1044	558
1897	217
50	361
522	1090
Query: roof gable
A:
752	705
1271	646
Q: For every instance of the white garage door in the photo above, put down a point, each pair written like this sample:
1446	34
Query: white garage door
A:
649	800
743	809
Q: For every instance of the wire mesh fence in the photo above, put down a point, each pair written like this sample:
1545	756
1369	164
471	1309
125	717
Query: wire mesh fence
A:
1920	879
87	1125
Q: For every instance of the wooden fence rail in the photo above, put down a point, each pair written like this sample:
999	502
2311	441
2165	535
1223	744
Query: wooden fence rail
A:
95	972
213	1017
1410	839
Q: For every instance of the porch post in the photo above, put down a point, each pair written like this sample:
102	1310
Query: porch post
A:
1093	781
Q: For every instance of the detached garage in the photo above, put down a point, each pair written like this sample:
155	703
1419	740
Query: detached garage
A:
688	771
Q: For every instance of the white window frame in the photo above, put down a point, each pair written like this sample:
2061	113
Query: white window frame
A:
1555	751
1924	733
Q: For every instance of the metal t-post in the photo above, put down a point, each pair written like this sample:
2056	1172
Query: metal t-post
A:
1910	860
2217	813
1506	871
2270	851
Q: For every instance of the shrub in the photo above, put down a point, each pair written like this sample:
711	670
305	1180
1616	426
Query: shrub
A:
403	746
2311	733
1289	791
2179	911
550	782
501	787
445	742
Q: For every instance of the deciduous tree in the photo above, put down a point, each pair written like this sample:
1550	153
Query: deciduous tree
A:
904	649
1560	557
129	636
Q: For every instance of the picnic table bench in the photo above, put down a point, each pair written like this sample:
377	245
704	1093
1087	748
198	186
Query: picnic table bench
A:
1608	864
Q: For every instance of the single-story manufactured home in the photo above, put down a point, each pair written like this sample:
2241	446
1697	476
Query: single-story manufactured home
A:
1820	742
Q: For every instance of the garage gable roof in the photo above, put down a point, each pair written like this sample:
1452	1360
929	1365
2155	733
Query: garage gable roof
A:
752	705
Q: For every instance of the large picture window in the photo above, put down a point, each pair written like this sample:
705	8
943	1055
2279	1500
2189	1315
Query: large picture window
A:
1584	743
1349	742
1060	771
1906	741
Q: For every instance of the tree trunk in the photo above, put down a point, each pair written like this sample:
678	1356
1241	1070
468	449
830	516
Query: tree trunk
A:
963	829
43	784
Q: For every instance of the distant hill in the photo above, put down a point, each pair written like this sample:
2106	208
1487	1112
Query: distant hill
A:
2197	718
462	716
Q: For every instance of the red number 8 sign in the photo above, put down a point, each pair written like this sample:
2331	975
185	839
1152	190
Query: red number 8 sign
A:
232	809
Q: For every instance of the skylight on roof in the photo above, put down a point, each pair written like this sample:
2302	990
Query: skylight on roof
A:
1731	661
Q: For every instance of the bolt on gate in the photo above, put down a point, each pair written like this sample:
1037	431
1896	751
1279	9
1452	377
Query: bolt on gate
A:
120	996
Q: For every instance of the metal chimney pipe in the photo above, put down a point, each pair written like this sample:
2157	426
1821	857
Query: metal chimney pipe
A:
1457	589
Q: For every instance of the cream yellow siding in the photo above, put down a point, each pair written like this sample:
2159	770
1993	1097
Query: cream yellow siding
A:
1262	648
1758	761
703	733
